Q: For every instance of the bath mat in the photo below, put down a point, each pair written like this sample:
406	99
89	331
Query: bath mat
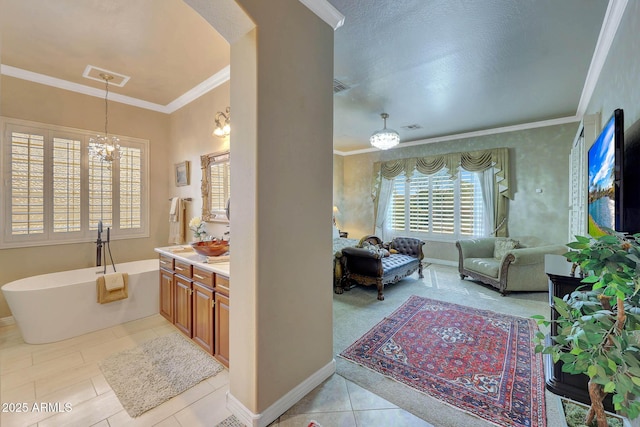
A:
153	372
479	361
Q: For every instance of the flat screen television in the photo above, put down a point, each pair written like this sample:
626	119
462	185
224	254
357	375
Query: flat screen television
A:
606	183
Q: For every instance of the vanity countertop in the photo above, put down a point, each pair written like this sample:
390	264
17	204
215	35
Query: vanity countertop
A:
187	254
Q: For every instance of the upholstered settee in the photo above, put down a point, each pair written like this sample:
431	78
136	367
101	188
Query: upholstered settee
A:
375	263
508	264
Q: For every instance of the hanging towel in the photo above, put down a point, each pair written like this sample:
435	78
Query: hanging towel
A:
119	284
176	221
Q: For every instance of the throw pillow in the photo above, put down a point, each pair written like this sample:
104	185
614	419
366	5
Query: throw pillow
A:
502	246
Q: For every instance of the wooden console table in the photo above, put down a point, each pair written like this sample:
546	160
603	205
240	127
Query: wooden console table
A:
561	383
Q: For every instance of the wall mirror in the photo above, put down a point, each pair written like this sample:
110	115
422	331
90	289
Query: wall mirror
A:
216	186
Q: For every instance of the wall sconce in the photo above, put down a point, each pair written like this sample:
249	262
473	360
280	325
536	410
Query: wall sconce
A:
223	123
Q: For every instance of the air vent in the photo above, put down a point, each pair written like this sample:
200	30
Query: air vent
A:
338	86
411	127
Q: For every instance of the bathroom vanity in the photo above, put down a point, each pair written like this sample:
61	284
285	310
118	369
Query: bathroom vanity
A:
194	296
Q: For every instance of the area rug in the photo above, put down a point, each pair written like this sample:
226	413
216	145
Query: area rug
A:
153	372
479	361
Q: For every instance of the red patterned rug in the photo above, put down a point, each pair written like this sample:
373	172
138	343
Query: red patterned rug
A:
480	361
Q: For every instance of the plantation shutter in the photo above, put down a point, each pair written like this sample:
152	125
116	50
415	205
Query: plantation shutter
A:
419	203
66	185
130	188
100	193
442	203
471	206
396	209
27	183
220	189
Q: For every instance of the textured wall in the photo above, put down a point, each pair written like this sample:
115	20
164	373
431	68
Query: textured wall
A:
539	160
619	82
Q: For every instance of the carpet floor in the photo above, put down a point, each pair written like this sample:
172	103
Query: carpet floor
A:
479	361
357	311
156	370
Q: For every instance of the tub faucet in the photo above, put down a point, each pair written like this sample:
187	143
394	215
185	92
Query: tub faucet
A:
99	245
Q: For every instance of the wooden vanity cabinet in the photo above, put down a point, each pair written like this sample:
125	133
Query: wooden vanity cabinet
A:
203	309
221	334
196	301
183	304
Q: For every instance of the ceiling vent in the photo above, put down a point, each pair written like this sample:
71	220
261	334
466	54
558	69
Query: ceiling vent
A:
94	73
411	127
338	86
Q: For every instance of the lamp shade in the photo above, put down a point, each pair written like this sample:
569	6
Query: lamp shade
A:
385	138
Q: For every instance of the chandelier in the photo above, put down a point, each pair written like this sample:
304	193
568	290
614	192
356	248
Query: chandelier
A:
104	147
385	138
223	123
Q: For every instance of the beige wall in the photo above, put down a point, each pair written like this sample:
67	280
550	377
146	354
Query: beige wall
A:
191	129
539	160
31	101
338	184
281	321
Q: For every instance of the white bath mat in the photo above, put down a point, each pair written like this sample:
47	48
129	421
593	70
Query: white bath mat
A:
153	372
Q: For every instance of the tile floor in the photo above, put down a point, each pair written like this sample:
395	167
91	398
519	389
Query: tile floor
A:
67	372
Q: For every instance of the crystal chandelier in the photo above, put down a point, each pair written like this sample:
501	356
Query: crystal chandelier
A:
385	138
223	123
104	147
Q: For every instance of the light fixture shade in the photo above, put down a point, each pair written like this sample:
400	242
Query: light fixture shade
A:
223	123
385	138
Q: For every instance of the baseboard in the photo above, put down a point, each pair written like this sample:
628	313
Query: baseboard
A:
441	262
6	321
284	403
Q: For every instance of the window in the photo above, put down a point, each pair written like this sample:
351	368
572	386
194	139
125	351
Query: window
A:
55	193
216	186
436	206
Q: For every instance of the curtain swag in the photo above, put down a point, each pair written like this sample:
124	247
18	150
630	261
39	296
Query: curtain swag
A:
473	161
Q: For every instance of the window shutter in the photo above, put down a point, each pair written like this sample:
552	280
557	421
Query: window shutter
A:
220	189
66	185
471	207
100	193
419	203
130	188
27	183
396	208
442	203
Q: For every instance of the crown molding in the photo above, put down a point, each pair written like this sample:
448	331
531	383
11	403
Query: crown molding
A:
326	12
211	83
475	134
610	24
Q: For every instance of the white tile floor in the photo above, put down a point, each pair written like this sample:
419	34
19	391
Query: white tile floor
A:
67	372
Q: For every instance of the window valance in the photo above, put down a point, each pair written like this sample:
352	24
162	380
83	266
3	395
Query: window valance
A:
473	161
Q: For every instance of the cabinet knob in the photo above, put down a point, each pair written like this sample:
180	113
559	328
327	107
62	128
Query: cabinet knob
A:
213	303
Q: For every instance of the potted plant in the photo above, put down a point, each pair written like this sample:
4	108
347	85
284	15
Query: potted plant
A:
598	325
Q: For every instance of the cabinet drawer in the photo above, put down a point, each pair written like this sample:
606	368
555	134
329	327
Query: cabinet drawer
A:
182	268
166	262
222	284
203	277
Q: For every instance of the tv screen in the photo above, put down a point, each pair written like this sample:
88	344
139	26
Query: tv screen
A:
605	183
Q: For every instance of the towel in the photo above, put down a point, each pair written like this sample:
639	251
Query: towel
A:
104	295
113	282
221	258
177	221
174	206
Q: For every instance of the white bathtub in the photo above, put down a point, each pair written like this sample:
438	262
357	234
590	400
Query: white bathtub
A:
56	306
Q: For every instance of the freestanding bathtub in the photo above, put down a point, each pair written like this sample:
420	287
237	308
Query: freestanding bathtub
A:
56	306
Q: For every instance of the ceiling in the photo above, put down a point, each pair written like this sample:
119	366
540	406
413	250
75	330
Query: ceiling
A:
446	67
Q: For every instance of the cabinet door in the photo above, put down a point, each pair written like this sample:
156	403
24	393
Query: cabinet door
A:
183	305
222	329
166	294
203	317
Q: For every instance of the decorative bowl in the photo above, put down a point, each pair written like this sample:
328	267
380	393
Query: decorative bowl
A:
211	247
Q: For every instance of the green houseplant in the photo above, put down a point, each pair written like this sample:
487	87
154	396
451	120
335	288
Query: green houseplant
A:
598	326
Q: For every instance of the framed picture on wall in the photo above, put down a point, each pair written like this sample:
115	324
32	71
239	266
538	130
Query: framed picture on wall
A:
182	174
